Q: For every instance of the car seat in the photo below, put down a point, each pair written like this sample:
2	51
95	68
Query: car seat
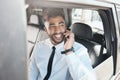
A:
83	34
35	32
32	32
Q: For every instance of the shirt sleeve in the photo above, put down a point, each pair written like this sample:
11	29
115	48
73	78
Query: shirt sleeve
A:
33	70
79	65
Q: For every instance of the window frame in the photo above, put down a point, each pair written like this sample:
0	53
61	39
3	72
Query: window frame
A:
111	39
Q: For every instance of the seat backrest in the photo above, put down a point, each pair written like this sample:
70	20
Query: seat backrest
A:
83	34
32	32
82	30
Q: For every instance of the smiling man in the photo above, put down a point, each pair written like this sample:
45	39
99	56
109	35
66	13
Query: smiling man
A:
59	57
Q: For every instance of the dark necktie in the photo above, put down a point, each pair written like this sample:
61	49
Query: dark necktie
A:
49	67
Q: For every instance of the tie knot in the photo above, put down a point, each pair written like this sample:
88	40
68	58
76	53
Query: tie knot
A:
53	48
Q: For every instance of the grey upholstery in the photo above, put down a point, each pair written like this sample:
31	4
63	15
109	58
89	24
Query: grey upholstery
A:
35	32
32	32
82	30
83	34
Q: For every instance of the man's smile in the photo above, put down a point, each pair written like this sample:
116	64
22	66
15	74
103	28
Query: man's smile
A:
58	36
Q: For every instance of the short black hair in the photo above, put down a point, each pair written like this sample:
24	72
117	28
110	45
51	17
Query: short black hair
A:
54	12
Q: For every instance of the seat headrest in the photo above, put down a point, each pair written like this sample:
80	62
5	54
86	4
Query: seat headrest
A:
34	19
82	30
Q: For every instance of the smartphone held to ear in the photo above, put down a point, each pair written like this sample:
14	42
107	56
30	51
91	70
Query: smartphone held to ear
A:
65	39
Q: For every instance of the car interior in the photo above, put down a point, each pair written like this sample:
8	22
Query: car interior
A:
35	32
95	23
84	35
90	37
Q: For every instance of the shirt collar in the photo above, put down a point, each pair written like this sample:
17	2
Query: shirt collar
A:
58	46
48	42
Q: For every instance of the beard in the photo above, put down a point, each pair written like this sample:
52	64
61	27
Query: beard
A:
57	38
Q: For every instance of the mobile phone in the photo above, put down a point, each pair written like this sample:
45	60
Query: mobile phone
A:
65	39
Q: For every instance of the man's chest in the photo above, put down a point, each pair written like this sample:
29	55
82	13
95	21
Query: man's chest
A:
59	65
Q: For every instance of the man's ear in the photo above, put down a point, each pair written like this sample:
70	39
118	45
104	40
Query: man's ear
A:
45	29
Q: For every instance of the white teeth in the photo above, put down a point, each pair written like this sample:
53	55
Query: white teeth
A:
58	35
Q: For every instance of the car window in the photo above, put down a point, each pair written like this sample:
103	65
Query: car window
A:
90	17
96	42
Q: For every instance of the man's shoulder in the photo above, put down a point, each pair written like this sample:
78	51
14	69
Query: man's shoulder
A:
43	42
40	46
80	49
79	45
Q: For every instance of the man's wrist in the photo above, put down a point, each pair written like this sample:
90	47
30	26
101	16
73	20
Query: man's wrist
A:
68	51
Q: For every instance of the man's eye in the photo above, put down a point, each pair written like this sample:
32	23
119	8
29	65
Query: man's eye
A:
52	25
62	24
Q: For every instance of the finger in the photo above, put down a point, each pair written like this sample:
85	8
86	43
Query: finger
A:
70	35
67	34
68	31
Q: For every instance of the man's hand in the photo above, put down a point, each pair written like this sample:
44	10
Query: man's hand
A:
69	40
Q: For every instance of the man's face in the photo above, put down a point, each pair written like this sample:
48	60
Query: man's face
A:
55	28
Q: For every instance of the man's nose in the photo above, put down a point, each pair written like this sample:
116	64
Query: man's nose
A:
57	29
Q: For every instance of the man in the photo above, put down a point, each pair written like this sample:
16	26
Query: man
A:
70	61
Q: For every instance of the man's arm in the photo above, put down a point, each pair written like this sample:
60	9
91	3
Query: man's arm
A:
79	65
33	70
78	61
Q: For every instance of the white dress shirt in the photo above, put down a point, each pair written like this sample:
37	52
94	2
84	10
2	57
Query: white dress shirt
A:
74	66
